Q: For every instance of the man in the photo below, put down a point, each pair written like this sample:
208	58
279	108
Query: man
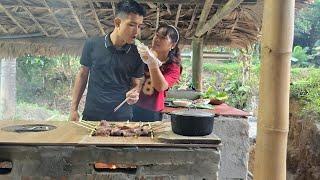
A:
115	68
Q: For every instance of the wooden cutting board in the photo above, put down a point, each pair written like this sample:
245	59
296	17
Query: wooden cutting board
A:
171	137
66	133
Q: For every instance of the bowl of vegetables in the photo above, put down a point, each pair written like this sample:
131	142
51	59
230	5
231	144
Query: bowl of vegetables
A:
216	97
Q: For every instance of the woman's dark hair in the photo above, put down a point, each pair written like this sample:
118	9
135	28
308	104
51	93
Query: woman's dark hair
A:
129	6
174	54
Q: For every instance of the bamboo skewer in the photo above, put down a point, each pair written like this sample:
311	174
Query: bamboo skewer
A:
94	123
88	124
82	125
151	131
159	128
119	106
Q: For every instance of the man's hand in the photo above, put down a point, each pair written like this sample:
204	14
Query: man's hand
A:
74	116
133	96
148	57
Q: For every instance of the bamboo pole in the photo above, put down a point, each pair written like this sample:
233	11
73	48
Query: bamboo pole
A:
197	61
273	124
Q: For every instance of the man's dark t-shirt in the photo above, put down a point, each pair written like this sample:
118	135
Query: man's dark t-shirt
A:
111	72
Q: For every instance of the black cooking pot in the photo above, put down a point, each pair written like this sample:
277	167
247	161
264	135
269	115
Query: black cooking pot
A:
192	122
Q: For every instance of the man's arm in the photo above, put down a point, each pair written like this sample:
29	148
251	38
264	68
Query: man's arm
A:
78	89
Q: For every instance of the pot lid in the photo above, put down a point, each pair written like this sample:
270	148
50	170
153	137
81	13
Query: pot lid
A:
193	112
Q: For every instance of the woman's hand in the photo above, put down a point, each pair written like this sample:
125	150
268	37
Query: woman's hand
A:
148	57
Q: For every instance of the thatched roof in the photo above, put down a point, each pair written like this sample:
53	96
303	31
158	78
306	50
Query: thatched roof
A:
51	27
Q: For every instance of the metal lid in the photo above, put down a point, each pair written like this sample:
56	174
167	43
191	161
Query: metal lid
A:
193	112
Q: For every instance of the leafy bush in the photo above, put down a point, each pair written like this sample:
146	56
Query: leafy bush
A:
307	91
300	56
46	81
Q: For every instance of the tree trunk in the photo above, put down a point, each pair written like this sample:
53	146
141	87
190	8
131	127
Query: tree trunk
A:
197	61
273	124
8	89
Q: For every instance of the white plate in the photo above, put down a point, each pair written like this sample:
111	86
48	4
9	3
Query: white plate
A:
183	103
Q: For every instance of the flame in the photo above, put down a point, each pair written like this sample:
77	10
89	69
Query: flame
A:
101	165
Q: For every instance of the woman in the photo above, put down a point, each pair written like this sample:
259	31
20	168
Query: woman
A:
162	71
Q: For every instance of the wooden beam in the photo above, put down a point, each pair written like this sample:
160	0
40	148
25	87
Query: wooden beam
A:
151	5
3	29
234	25
204	14
21	36
178	15
77	19
113	8
218	16
55	18
96	17
168	8
197	62
194	14
158	16
43	40
184	2
33	18
36	38
217	2
12	18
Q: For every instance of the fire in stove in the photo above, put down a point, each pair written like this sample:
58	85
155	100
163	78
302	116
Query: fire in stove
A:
115	167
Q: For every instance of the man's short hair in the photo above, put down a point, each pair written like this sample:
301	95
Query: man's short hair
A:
129	6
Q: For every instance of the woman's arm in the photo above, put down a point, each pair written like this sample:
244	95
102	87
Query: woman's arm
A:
158	80
166	79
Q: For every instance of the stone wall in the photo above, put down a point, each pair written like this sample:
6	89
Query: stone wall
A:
72	162
234	134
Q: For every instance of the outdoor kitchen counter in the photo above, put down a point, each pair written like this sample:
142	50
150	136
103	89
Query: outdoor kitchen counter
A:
69	133
69	152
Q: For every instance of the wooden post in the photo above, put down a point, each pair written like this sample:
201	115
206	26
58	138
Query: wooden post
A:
8	89
197	61
273	124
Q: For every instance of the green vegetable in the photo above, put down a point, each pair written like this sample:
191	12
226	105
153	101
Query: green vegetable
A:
212	94
138	43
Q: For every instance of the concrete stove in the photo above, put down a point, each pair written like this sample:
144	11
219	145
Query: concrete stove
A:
69	152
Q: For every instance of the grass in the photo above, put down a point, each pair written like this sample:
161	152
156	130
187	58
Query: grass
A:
28	111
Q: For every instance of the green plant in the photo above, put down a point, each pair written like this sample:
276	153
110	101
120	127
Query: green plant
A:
46	81
307	27
306	91
240	94
300	56
213	94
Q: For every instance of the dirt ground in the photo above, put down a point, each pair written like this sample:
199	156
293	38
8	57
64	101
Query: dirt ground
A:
303	153
303	157
251	157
